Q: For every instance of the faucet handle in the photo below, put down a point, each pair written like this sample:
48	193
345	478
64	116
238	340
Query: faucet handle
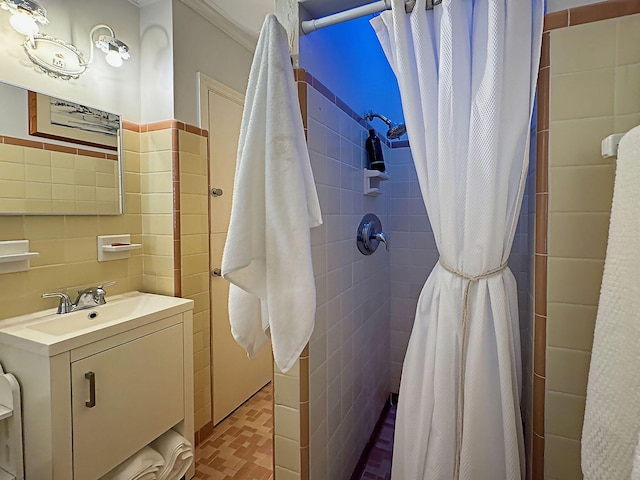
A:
65	304
100	293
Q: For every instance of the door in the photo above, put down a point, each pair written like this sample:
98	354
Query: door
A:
235	376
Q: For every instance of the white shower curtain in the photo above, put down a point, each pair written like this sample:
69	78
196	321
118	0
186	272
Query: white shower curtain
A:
467	73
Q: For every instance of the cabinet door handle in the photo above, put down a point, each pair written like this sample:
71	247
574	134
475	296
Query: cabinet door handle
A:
92	389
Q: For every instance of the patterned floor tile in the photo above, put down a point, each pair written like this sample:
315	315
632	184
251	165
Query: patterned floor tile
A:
241	446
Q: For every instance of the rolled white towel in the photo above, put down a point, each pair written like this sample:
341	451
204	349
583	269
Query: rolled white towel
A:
143	465
177	453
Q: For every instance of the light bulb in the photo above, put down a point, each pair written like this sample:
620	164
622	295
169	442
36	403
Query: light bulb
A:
24	23
114	59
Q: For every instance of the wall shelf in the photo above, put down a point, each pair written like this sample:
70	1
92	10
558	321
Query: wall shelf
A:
11	460
109	250
6	476
121	248
15	256
372	180
5	412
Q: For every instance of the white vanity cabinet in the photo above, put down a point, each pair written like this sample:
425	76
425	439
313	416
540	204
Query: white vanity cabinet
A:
93	397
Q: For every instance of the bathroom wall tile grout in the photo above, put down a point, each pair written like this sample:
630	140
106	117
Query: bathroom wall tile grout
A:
575	258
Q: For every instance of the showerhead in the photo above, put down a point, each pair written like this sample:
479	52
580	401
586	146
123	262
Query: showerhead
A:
396	130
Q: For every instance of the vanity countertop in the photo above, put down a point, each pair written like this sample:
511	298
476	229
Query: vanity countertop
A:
47	333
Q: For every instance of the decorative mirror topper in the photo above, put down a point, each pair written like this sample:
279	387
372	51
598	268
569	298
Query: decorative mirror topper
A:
54	57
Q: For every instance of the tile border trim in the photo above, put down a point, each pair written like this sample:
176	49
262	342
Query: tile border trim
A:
594	12
164	125
53	147
304	77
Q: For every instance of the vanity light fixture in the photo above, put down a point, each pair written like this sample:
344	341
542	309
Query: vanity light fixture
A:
25	15
116	50
54	56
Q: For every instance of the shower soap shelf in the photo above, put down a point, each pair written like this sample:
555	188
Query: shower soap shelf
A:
15	256
115	247
372	180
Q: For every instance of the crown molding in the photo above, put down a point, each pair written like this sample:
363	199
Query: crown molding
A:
207	10
142	3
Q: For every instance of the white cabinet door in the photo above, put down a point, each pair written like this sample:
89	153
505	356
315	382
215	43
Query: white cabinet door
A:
138	390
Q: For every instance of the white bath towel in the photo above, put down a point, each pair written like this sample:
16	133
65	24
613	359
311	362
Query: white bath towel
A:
267	255
177	453
612	416
143	465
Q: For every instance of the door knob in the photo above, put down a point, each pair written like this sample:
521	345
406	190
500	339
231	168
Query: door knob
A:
216	192
216	272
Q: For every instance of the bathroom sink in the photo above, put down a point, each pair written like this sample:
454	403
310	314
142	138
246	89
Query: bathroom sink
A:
48	333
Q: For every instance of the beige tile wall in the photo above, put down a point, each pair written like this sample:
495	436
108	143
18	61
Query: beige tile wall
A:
290	445
67	244
594	92
42	181
156	198
68	252
194	261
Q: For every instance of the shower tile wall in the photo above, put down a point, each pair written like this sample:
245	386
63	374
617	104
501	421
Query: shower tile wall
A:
349	350
525	297
414	254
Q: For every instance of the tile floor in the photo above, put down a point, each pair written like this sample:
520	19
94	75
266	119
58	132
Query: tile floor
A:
378	466
241	446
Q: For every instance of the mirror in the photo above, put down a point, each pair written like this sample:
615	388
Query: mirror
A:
57	157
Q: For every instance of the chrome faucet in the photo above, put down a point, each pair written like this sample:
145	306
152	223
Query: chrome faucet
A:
87	298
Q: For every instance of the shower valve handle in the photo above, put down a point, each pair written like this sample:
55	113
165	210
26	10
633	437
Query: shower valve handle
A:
382	237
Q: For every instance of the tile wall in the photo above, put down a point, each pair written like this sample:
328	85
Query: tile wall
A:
175	227
160	161
521	264
39	177
593	78
350	349
156	201
193	192
413	252
67	244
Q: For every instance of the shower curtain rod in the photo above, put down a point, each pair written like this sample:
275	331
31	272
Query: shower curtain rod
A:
308	26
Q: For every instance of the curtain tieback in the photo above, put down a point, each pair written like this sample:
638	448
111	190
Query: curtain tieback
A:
471	279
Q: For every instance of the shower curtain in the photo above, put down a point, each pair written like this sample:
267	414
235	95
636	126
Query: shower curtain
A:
467	73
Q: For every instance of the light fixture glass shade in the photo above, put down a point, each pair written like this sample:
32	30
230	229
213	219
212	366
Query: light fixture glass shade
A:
114	59
25	15
116	50
24	23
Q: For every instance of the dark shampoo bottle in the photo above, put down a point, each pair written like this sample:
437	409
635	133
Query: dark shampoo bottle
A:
374	149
